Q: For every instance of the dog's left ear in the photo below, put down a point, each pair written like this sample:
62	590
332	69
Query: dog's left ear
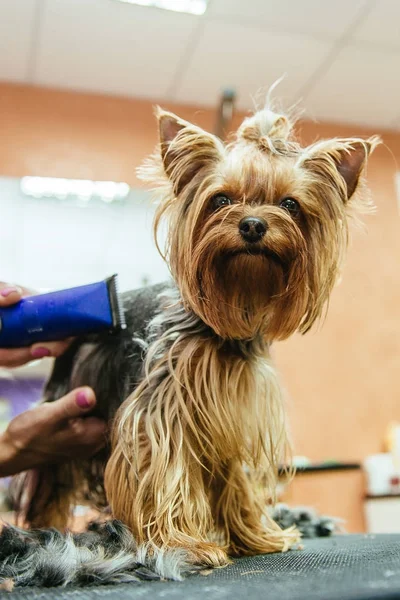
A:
185	149
348	157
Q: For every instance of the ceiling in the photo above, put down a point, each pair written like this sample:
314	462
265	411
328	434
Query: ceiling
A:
341	58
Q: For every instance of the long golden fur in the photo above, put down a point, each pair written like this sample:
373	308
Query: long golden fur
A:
196	453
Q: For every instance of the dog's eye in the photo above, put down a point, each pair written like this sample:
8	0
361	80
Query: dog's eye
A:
291	205
219	201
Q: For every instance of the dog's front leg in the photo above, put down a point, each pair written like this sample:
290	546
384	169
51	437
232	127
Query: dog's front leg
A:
156	487
239	502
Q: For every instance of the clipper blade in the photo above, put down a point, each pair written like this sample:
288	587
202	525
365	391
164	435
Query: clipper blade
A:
117	308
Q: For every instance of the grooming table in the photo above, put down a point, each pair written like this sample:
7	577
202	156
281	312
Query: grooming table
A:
348	567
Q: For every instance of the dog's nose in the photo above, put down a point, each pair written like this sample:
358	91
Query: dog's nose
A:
252	229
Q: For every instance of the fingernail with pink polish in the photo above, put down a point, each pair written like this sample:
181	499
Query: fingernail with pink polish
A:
82	400
8	290
40	352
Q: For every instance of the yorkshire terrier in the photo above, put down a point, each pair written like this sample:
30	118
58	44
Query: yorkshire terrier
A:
257	230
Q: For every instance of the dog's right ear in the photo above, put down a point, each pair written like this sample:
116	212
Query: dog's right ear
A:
185	149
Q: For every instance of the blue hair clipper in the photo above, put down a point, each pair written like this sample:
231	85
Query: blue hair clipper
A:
57	315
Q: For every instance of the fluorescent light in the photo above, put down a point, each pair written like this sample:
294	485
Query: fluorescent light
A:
193	7
83	189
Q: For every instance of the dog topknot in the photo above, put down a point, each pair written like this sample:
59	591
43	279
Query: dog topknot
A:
265	123
269	131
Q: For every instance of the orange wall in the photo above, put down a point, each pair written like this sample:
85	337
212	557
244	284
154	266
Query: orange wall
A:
343	381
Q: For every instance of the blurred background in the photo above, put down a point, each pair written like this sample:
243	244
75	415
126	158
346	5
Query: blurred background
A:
78	83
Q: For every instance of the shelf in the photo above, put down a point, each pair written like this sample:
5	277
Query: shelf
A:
325	467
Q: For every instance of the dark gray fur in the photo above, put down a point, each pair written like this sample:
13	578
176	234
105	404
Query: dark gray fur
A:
307	521
106	553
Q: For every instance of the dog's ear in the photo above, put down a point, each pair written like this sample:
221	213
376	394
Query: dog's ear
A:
185	149
348	157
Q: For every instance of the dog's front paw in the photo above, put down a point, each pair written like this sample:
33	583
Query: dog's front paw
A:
249	543
208	555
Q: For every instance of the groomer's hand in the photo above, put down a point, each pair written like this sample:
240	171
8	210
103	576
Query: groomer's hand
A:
52	432
15	357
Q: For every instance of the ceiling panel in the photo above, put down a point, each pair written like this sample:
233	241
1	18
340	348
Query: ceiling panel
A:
381	25
249	60
361	87
107	46
318	17
16	29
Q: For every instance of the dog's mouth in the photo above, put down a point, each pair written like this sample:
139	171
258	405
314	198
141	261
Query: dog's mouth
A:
257	251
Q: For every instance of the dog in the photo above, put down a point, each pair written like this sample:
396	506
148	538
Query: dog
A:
257	230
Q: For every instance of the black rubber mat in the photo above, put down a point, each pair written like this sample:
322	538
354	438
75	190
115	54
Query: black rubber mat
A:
348	567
